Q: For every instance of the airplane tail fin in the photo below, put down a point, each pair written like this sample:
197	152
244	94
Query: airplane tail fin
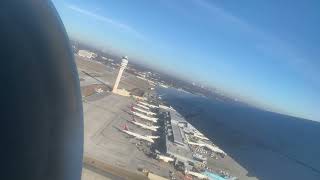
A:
125	127
126	111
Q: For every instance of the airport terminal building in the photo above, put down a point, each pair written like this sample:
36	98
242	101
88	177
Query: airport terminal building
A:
175	142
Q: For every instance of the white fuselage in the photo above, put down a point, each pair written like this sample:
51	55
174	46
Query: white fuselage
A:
165	158
153	137
144	111
144	107
144	126
142	116
138	136
148	105
198	175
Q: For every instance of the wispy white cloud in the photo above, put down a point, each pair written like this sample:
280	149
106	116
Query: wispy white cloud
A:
266	42
223	14
108	20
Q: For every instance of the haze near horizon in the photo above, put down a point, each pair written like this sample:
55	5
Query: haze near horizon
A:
263	52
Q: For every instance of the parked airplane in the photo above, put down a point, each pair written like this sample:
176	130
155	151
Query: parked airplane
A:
154	137
197	175
141	116
165	158
142	106
144	126
143	111
136	135
147	104
144	117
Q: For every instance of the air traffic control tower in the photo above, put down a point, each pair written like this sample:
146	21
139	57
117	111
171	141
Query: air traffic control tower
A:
123	65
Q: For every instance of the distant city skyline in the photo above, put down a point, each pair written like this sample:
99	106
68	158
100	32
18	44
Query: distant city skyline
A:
262	52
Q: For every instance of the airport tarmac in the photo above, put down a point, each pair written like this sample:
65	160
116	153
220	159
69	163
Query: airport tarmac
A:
96	174
104	142
93	72
104	112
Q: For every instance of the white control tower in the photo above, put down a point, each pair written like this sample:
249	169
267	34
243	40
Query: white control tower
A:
123	65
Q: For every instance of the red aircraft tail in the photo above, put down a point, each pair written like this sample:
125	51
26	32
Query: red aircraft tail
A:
125	127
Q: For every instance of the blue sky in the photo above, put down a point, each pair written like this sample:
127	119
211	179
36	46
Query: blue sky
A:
265	52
